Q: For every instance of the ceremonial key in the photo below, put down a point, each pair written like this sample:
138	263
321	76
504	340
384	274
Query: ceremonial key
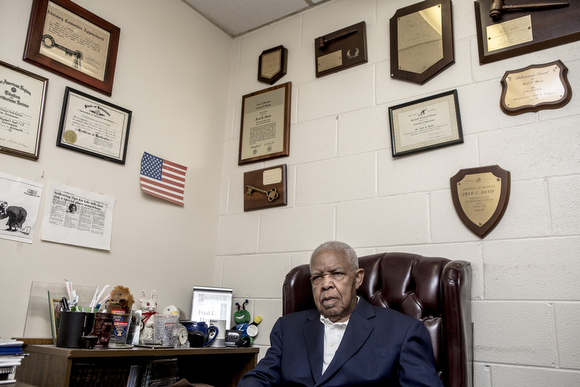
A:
272	193
49	42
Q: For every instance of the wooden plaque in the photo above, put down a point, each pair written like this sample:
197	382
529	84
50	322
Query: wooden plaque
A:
265	179
341	50
534	88
480	197
549	27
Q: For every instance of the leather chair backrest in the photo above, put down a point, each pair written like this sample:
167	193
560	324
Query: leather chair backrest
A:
436	291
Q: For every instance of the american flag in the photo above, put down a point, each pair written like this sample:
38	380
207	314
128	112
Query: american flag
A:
162	178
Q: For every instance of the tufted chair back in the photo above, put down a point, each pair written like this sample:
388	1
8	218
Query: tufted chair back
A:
436	291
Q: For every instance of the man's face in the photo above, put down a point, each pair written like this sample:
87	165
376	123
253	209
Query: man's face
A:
334	285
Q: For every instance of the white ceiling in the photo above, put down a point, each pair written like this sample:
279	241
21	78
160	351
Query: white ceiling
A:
237	17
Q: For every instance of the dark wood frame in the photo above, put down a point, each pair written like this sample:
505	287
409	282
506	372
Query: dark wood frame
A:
486	228
34	37
551	28
64	118
459	140
14	152
565	98
283	65
447	35
285	125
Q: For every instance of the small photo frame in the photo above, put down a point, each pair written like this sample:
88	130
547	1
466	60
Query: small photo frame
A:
95	127
427	123
70	41
21	111
265	125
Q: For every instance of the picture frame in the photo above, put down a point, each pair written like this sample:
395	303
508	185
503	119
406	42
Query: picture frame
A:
55	307
265	124
93	126
421	41
21	111
424	124
72	42
211	303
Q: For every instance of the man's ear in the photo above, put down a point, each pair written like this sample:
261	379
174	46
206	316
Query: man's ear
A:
359	276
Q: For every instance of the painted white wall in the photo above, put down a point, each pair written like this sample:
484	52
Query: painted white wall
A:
173	73
344	184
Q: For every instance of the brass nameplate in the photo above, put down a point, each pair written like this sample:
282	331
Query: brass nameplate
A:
271	63
509	33
534	88
480	197
330	61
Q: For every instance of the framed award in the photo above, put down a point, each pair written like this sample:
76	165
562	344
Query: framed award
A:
70	41
265	124
272	65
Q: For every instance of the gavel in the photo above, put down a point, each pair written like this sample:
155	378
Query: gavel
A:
498	7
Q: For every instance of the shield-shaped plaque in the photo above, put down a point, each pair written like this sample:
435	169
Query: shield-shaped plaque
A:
480	197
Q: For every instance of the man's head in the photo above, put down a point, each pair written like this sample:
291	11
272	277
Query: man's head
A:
335	276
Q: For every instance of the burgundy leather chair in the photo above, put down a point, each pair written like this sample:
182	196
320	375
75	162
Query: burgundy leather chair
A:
436	291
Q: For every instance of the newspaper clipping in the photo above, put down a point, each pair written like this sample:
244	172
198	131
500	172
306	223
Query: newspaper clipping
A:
77	217
19	204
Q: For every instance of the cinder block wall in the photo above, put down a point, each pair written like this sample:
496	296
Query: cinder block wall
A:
345	185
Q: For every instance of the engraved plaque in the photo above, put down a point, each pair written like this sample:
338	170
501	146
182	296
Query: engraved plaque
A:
509	33
272	64
480	197
535	88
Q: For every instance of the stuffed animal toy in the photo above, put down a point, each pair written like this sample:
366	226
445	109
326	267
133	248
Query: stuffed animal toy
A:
149	308
170	310
242	319
120	299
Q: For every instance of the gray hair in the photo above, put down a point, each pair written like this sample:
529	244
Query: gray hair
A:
337	247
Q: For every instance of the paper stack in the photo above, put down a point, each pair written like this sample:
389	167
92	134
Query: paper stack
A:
10	357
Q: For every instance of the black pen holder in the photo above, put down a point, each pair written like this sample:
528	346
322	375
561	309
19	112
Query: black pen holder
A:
71	328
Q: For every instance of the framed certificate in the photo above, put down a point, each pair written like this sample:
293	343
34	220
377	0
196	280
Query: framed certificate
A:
21	110
69	40
265	127
93	126
427	123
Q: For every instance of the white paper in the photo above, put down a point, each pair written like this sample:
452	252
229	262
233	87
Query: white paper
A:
19	204
77	217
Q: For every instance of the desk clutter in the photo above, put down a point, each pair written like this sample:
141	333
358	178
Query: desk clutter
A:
11	356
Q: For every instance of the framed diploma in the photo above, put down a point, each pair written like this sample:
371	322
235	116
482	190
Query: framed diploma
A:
427	123
21	110
534	88
272	65
265	126
421	41
93	126
480	197
69	40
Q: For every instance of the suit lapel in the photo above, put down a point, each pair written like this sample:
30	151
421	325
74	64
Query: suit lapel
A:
314	337
357	332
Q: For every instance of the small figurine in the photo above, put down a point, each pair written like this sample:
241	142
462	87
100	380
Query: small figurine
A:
242	319
120	299
170	310
149	308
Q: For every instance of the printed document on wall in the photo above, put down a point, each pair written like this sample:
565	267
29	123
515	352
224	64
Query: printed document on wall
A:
19	204
77	217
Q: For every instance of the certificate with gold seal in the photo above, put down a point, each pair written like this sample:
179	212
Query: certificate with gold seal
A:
94	127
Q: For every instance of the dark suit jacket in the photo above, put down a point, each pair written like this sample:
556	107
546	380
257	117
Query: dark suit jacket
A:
380	347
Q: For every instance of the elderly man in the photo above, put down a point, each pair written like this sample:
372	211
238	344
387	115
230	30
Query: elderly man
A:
346	341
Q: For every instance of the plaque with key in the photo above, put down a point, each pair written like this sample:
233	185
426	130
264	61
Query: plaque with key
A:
265	188
69	40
